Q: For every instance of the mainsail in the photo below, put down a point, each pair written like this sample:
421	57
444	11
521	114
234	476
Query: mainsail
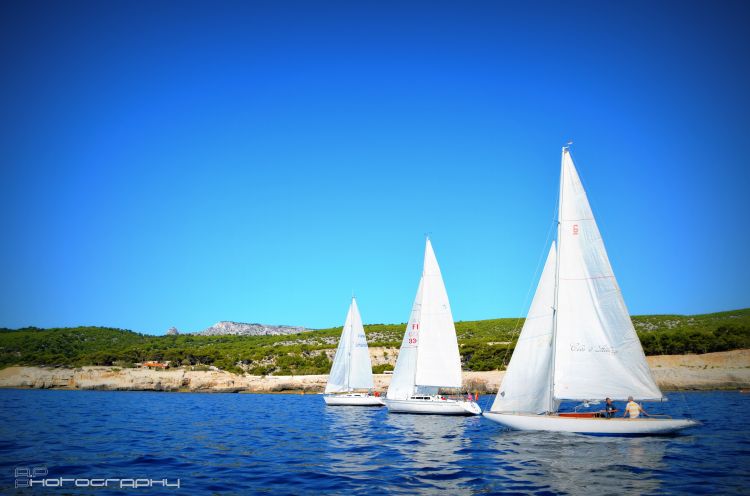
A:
597	352
351	368
526	384
429	357
585	348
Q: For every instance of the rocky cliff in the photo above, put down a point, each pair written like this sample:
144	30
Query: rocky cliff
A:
242	329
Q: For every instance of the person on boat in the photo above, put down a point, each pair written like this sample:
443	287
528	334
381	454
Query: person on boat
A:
609	408
634	409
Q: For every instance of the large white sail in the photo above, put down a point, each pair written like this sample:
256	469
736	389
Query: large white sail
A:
526	384
352	368
402	381
438	359
597	352
429	357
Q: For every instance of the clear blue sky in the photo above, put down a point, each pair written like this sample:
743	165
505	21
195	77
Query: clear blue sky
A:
178	163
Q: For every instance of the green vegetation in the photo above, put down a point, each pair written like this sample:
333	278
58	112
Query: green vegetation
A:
379	369
484	344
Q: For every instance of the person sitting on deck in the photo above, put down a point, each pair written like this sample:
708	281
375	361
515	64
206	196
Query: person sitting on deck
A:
609	408
634	409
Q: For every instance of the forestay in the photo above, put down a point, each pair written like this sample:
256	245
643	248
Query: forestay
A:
526	384
351	368
597	350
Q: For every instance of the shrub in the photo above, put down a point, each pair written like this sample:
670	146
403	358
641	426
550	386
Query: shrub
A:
379	369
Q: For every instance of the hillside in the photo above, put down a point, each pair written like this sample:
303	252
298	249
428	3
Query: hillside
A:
484	344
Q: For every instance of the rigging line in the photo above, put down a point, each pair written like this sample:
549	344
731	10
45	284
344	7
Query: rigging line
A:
679	392
586	278
535	278
486	402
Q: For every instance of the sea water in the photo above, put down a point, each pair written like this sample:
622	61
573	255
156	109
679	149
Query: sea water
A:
294	444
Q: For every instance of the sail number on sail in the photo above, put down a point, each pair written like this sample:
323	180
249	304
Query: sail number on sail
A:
414	334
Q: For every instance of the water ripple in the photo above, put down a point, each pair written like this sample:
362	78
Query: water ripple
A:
289	444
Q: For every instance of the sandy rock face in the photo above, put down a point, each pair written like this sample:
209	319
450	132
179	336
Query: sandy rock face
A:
729	369
36	377
380	356
128	379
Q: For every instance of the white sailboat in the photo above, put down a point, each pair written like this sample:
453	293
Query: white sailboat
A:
351	369
578	342
429	358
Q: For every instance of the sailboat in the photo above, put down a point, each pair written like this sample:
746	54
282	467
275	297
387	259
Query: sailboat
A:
429	358
351	370
578	342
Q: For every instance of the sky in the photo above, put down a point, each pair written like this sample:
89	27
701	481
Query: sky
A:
181	163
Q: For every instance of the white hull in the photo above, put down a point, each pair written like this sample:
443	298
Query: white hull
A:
613	426
352	399
433	407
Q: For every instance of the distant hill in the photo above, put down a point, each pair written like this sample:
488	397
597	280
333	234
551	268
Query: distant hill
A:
282	350
228	328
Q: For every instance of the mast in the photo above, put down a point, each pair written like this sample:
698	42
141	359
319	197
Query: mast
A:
557	279
349	361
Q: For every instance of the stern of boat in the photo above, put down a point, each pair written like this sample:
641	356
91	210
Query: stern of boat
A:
352	400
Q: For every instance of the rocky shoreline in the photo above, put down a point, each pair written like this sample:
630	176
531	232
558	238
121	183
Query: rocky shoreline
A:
725	370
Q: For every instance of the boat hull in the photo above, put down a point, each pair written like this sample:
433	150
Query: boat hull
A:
433	407
597	426
352	400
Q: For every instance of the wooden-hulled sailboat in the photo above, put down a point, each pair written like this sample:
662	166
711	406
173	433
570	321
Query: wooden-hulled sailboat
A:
429	358
578	342
350	380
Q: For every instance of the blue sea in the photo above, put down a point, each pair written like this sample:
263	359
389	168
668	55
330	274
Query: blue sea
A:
294	444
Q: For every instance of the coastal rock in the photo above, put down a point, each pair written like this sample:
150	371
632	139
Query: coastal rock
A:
128	379
37	377
172	331
730	369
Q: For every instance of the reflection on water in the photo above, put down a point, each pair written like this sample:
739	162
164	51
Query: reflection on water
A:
432	450
411	454
350	446
570	463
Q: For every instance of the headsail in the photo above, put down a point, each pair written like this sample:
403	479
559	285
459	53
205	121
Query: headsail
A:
438	359
526	384
429	356
597	350
402	381
352	368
